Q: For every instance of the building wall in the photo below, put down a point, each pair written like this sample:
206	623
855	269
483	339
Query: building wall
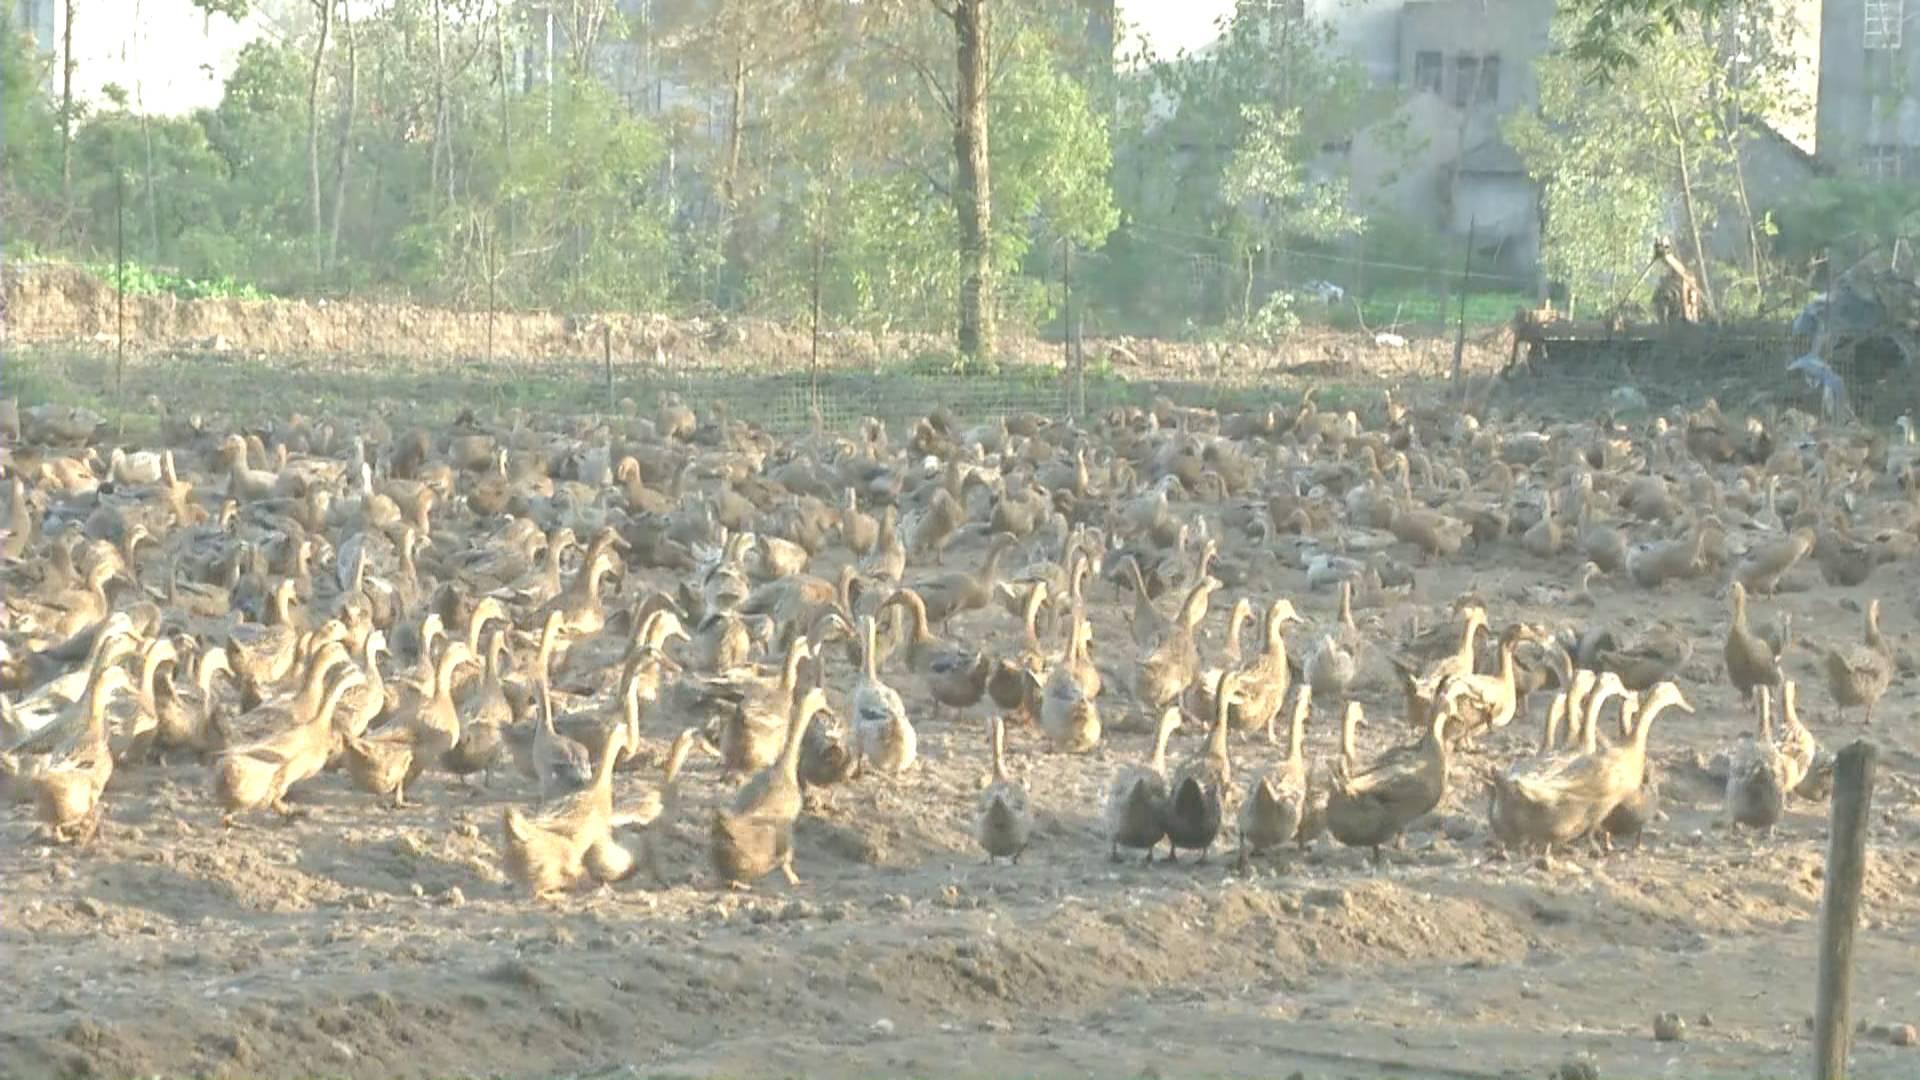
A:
1868	117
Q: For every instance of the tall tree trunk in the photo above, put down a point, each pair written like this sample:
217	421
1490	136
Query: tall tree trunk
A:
66	109
313	130
440	148
343	147
972	190
730	172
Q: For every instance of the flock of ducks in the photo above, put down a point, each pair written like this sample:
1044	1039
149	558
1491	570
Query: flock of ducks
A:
557	606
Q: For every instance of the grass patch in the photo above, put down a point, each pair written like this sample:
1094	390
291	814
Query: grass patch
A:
1383	309
134	279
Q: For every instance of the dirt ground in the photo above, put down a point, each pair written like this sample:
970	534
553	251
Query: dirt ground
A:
361	942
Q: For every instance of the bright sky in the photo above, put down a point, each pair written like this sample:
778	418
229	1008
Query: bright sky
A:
1173	25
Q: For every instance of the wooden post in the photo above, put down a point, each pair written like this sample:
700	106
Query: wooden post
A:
1066	321
119	291
1840	908
606	354
813	363
1466	277
490	299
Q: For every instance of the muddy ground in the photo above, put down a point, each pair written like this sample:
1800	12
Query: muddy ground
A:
363	942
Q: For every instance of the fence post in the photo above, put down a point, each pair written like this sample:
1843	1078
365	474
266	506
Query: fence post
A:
606	354
1066	320
1840	907
120	292
813	360
490	301
1466	276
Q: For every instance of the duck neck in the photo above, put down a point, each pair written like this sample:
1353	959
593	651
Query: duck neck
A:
1030	618
323	718
1168	722
789	760
1349	735
1556	710
998	736
1297	725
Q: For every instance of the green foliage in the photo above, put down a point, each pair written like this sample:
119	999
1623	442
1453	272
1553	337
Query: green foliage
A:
29	139
1852	214
1385	308
1212	170
1609	162
137	280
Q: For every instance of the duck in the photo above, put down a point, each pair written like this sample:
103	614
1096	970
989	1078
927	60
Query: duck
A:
1069	711
1003	822
1264	683
1763	567
752	710
1481	703
753	835
386	761
1572	801
1166	670
1137	796
262	655
1858	676
1275	804
1370	807
561	763
955	677
1752	662
1017	678
559	848
190	720
261	774
67	794
828	756
883	734
1759	776
1198	790
485	715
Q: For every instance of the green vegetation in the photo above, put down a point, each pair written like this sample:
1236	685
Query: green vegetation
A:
137	280
1385	308
767	157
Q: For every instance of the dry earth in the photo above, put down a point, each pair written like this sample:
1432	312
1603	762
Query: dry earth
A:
361	942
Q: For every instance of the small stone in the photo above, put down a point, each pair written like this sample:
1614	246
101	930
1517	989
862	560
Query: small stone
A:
1668	1027
796	910
1578	1070
883	1026
86	906
760	916
419	890
1705	1020
1904	1035
342	1051
453	897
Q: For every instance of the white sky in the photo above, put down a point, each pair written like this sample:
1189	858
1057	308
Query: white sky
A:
1172	25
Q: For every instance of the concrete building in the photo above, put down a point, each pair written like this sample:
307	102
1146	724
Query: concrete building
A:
1459	67
1867	121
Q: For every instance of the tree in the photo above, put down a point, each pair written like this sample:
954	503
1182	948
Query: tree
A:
1662	146
1609	37
1265	185
973	185
1219	184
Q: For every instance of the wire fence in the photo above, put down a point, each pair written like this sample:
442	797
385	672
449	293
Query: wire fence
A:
125	337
